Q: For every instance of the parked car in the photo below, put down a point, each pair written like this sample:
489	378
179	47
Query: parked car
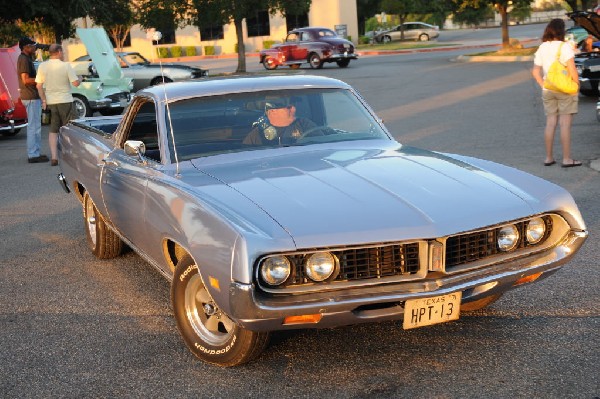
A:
588	63
13	116
412	31
104	89
144	73
334	224
314	46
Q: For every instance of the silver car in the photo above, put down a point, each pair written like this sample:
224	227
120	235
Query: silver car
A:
412	31
144	73
326	224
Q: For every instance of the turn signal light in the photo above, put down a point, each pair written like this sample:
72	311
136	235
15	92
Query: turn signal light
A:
306	318
528	279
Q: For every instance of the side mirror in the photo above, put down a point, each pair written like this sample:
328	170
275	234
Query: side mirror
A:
135	148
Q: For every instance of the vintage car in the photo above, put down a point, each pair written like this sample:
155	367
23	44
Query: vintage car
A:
327	226
408	31
13	116
105	89
144	73
588	63
314	46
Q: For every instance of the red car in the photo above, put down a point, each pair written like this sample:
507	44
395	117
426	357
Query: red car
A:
13	115
313	45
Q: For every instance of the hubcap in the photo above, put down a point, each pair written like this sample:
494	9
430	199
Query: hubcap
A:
203	314
90	218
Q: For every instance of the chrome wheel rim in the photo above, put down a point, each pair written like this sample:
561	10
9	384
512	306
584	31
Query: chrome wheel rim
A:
79	108
90	220
208	321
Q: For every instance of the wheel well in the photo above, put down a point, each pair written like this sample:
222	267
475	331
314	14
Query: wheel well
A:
79	190
159	79
173	253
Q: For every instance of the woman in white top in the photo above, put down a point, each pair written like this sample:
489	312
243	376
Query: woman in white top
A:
559	107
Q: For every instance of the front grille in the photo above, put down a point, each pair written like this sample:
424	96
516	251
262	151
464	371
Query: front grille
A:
473	247
198	74
116	97
366	263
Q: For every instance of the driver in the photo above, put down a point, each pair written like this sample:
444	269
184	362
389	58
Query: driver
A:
279	125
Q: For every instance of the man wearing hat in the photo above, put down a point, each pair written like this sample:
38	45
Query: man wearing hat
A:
30	98
279	126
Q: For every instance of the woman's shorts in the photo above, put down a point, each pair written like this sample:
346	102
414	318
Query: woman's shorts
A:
61	114
556	103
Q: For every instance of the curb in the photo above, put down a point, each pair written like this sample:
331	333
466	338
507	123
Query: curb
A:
378	52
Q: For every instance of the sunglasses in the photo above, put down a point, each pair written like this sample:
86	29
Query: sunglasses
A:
279	107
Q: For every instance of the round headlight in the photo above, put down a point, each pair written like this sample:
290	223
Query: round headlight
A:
100	88
320	266
536	228
508	238
275	270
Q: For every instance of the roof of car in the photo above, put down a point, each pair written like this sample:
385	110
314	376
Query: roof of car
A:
236	84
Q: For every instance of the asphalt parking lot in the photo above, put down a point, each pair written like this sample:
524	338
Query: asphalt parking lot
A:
76	326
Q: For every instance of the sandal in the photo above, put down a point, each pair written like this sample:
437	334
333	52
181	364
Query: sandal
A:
572	164
549	163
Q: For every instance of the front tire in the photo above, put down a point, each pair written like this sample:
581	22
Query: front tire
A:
103	242
424	37
82	107
315	61
160	80
208	332
386	39
480	303
343	63
269	63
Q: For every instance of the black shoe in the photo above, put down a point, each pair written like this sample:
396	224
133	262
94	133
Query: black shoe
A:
41	158
54	162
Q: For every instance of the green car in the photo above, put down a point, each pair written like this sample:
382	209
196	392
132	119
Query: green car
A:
105	89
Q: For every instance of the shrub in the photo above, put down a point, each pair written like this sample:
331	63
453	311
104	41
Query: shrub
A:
267	44
163	52
364	40
209	50
190	51
176	51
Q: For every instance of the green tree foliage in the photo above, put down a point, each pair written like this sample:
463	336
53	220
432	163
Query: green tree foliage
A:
473	16
581	5
116	16
208	13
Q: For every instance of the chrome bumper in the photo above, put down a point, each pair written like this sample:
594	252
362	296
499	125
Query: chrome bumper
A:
11	127
259	312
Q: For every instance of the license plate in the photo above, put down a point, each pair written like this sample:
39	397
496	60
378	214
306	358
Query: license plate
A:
434	310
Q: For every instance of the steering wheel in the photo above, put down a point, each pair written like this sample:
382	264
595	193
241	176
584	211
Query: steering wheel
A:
325	130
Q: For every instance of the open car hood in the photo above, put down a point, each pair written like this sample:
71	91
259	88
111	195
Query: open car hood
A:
589	21
103	55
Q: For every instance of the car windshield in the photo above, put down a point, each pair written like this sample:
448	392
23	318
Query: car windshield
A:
269	119
135	59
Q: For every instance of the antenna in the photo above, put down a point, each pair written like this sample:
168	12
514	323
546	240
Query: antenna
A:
156	36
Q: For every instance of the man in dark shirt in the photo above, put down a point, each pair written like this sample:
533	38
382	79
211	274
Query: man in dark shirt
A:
30	99
279	126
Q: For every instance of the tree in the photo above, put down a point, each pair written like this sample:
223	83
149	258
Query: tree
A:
402	8
207	13
503	7
116	16
581	5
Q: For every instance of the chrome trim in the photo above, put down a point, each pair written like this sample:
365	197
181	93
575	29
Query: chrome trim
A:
63	182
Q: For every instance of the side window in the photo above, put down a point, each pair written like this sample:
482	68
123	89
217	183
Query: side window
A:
144	128
292	37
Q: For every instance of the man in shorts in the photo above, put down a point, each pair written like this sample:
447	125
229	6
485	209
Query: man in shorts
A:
54	79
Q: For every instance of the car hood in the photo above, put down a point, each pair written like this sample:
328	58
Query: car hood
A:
589	21
103	55
171	66
346	196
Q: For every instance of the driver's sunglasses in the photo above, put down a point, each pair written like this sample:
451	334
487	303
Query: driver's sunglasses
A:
277	107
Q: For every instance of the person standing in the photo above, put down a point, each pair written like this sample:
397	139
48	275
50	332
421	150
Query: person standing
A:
559	107
54	80
30	99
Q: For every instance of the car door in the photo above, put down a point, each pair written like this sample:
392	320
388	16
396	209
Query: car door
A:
304	46
411	31
125	178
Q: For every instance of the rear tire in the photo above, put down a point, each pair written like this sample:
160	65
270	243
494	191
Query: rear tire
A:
103	242
208	332
159	80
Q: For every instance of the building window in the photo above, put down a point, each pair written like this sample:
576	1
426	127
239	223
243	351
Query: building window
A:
212	33
294	21
168	36
259	24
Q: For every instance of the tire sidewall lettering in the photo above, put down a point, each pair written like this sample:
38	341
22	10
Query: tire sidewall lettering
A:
216	352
